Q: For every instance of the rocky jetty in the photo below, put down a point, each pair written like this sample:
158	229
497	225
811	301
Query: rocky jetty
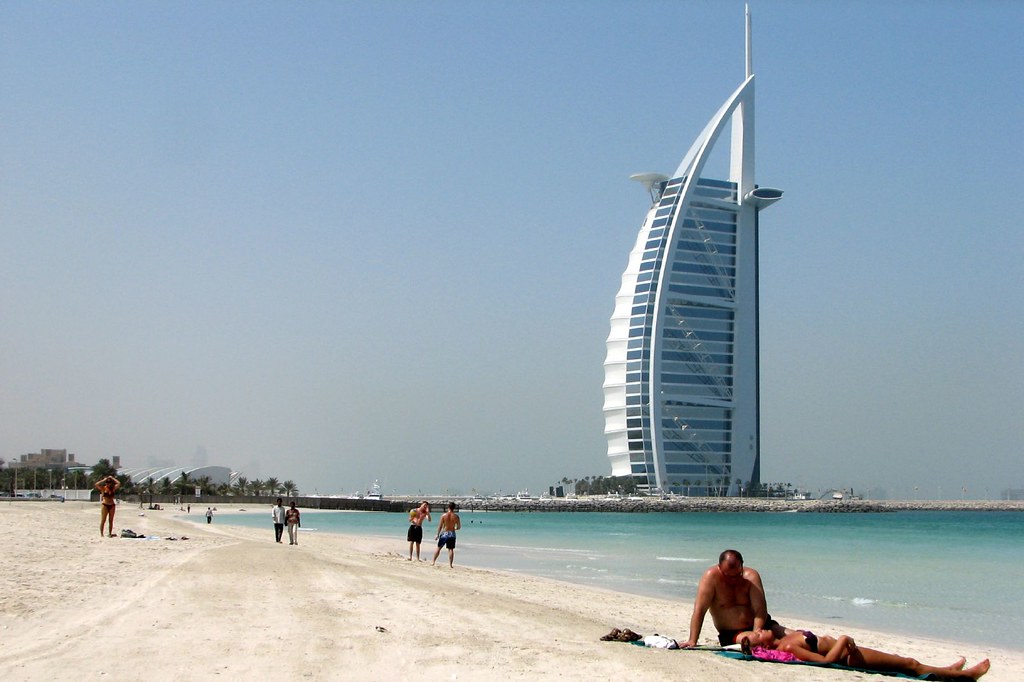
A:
642	505
727	504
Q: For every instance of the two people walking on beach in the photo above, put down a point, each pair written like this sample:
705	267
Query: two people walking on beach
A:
446	527
107	487
735	596
415	534
286	517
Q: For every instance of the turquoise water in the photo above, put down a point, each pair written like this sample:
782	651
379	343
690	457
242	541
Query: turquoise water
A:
951	575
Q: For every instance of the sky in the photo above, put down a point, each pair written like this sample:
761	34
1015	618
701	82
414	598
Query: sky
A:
339	242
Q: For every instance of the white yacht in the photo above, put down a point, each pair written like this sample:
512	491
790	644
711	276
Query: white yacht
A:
374	493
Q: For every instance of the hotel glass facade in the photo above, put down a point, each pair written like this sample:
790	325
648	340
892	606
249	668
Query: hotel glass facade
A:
681	386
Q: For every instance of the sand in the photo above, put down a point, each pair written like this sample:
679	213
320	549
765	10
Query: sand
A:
230	603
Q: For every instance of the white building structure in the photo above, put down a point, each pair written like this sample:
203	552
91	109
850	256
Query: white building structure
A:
681	371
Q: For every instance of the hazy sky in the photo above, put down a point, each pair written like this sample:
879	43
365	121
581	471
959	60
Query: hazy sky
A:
336	242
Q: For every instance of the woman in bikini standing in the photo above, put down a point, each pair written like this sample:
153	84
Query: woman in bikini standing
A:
107	487
804	645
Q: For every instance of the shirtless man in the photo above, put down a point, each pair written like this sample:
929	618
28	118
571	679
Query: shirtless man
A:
450	522
735	597
107	487
415	534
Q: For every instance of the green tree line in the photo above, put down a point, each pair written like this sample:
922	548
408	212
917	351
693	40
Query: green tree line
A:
56	478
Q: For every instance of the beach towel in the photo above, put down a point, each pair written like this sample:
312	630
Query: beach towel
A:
763	654
837	666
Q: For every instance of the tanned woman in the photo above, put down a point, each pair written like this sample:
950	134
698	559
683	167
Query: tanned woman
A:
107	487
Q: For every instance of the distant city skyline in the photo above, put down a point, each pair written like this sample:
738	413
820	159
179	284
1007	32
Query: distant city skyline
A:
339	243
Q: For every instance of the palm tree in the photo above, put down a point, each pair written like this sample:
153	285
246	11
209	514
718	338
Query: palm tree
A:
183	484
289	488
241	485
102	469
205	485
273	485
257	487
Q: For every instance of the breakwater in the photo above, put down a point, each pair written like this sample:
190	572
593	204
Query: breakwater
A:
644	505
631	505
726	504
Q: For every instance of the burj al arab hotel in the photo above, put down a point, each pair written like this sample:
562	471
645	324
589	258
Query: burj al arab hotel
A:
681	371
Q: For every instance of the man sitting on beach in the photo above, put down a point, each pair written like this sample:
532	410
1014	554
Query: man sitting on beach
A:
735	596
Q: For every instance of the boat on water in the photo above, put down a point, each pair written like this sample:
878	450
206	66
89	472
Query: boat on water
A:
374	492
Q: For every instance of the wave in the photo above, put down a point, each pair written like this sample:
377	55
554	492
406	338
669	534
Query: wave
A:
672	581
687	559
527	548
866	601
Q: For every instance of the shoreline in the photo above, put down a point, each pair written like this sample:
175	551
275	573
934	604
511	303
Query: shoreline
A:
230	602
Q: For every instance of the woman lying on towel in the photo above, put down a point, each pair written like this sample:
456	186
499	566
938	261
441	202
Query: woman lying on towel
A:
803	645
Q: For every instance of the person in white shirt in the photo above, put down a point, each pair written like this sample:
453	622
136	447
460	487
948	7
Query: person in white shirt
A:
278	515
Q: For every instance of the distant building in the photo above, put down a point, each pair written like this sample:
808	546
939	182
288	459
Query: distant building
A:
681	370
217	474
45	459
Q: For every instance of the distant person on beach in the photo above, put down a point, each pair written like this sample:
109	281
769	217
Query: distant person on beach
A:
291	517
804	645
446	527
277	513
107	487
209	515
415	534
735	597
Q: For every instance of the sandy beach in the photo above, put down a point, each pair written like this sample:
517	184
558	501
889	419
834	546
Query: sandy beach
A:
230	603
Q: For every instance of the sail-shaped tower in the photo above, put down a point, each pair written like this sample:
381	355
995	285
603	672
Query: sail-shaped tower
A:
681	371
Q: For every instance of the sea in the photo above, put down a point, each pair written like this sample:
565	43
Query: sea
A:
948	575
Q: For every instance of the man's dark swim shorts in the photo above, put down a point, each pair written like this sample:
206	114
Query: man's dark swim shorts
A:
446	539
727	637
415	533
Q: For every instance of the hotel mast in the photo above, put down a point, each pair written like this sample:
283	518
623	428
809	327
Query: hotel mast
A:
681	371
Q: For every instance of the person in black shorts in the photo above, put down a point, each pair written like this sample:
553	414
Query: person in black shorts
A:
734	595
415	534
